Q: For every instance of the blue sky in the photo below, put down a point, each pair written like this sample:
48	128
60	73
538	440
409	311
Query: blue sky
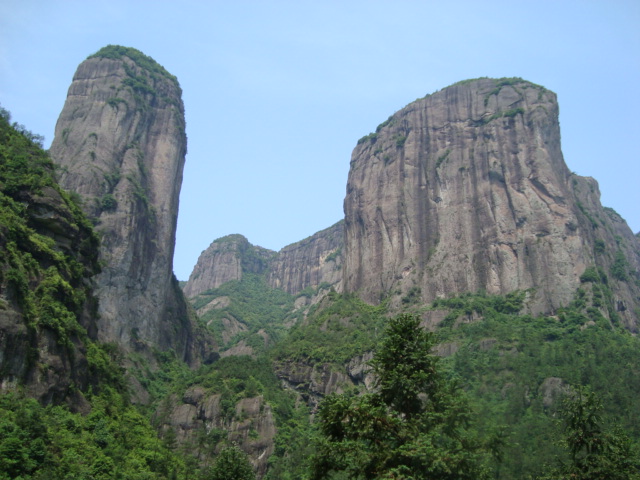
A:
277	93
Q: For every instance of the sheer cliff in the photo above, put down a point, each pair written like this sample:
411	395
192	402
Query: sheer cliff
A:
467	190
226	259
120	143
309	263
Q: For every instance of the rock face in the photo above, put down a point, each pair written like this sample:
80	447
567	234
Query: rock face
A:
249	422
225	260
467	190
47	359
312	262
120	143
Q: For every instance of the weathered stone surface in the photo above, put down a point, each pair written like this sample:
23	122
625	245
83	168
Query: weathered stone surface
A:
120	143
34	358
312	262
314	382
467	190
309	263
225	260
551	390
251	424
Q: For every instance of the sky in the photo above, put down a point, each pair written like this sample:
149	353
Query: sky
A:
277	93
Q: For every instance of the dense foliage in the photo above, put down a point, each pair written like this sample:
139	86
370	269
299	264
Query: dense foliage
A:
114	441
594	454
47	282
232	463
336	330
260	310
415	424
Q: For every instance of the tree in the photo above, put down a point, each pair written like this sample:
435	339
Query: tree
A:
232	463
415	425
594	454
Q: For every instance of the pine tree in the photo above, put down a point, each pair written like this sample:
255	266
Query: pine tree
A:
415	425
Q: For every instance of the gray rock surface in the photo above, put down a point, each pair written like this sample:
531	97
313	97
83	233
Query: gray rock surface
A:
120	143
467	190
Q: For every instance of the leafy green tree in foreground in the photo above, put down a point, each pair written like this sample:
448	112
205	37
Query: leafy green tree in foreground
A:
232	463
414	426
594	453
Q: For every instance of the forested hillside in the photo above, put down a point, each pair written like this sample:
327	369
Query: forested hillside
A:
515	369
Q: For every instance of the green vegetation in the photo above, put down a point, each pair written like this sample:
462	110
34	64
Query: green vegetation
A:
115	102
594	453
372	137
442	157
619	269
253	304
501	114
503	371
116	52
49	284
108	203
232	463
342	327
113	441
508	362
414	425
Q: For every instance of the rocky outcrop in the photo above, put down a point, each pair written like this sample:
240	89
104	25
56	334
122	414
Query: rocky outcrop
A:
311	262
467	190
315	381
225	260
120	143
199	415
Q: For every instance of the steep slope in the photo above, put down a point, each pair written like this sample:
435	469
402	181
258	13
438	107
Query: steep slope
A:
311	262
120	143
467	190
48	255
226	259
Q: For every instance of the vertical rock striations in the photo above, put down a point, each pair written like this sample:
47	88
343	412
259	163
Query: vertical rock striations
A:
310	262
225	260
120	143
467	190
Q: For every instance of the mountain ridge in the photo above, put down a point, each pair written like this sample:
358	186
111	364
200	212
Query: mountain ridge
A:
470	181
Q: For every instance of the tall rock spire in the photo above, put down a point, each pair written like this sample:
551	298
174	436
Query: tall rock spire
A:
120	143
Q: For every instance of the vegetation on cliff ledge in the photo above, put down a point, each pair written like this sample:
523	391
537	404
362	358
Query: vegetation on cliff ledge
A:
48	246
116	52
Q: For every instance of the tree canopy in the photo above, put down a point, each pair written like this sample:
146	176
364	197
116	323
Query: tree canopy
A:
415	425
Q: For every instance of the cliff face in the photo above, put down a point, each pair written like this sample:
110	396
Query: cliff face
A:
310	262
467	190
225	260
120	143
249	423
